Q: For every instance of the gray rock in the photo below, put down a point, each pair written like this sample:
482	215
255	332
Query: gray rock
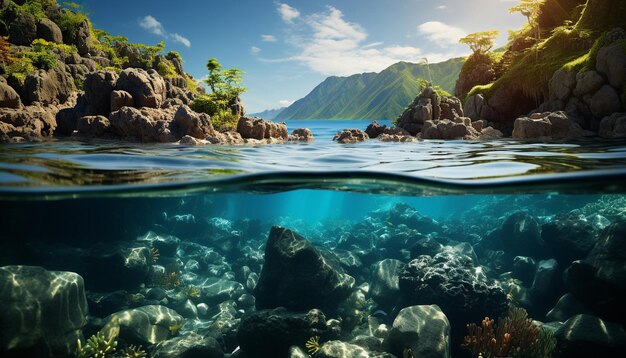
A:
54	86
423	329
93	126
297	276
121	99
188	122
613	126
49	31
547	285
131	123
23	30
384	286
570	237
605	102
191	345
524	268
146	87
257	128
451	108
43	312
83	38
548	125
562	84
588	82
611	62
444	129
98	87
349	136
8	97
374	129
301	135
148	324
476	107
589	336
566	307
339	349
217	290
29	122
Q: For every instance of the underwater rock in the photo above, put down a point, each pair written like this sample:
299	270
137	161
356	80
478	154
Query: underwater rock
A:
105	304
350	136
339	349
384	286
589	336
167	245
43	312
599	281
524	268
217	290
191	345
547	285
148	324
426	246
296	275
270	333
452	282
569	237
425	330
519	235
407	215
566	307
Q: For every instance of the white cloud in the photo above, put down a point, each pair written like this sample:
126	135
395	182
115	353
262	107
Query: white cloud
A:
441	7
288	13
255	50
153	25
285	102
329	44
181	39
268	38
442	34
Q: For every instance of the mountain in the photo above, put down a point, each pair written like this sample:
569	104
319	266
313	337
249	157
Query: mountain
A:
381	95
269	114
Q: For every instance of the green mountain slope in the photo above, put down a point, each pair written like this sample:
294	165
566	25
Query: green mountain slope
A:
269	114
381	95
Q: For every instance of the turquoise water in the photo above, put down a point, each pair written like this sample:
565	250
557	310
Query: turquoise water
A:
174	241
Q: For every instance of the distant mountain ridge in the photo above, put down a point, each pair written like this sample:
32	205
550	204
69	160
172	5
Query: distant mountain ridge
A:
269	114
371	95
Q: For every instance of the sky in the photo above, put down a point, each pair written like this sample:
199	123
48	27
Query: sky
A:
288	47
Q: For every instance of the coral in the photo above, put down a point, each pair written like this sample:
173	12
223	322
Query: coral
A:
313	345
175	328
193	292
134	352
515	336
97	346
407	353
155	255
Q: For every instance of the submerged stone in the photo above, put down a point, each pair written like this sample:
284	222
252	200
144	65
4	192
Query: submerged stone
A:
423	329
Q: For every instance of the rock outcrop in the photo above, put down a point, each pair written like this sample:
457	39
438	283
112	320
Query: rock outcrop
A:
548	125
146	87
257	128
349	136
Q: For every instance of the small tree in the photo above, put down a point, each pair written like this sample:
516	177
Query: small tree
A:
480	42
530	9
225	85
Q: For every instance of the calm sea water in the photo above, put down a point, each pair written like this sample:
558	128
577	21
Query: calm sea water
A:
81	206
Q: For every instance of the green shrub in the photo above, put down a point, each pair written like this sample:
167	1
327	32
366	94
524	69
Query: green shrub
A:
20	68
32	7
221	116
173	54
45	60
166	69
41	45
69	22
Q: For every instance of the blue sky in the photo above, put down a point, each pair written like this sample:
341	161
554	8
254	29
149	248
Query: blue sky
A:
286	48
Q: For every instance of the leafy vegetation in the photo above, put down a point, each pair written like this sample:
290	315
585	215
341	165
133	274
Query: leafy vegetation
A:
69	22
480	42
225	86
381	95
97	346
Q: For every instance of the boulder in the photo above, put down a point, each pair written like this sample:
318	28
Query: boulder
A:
478	70
588	82
524	268
132	123
423	329
384	285
8	97
83	38
146	87
188	122
374	129
29	122
191	345
349	136
450	108
98	87
445	129
613	126
413	118
43	312
588	336
570	237
54	86
301	135
476	107
605	102
296	275
611	62
121	99
339	349
23	30
270	333
547	285
49	31
147	325
258	128
562	84
599	281
566	307
547	125
93	126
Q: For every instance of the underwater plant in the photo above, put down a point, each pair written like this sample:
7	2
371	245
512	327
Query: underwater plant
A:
155	255
97	346
313	345
134	352
192	292
515	336
407	353
175	328
169	279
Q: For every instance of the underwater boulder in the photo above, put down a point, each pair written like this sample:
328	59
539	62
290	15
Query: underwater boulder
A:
524	268
339	349
599	281
519	235
570	237
191	345
588	336
148	324
298	276
270	333
424	330
384	286
43	312
407	215
566	307
547	286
